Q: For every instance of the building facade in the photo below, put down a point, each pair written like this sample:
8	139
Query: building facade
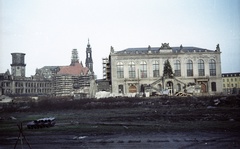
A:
231	83
135	68
16	84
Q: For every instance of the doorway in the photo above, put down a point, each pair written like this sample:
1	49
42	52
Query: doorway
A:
132	89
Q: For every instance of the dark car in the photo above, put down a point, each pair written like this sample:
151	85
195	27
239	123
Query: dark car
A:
41	123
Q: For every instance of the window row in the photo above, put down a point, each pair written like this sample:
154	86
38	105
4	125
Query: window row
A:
235	79
155	69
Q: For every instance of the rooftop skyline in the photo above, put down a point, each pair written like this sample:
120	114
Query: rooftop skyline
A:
47	31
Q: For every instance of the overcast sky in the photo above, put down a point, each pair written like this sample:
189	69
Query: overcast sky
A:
48	30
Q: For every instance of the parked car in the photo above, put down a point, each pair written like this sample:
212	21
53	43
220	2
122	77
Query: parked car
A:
41	123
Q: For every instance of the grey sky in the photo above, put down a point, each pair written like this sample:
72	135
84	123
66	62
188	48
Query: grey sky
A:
48	30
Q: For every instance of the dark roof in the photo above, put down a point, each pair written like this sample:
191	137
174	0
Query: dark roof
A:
233	74
156	49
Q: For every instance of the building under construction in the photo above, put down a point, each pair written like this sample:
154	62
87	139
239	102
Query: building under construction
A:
71	80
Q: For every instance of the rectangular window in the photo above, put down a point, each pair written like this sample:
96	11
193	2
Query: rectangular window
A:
189	72
132	73
177	73
189	68
155	73
201	71
143	69
120	72
155	69
212	67
131	70
177	68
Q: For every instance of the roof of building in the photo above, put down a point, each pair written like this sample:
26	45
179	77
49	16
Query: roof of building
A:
233	74
76	69
165	46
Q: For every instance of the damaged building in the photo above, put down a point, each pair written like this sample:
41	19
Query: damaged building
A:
194	70
70	80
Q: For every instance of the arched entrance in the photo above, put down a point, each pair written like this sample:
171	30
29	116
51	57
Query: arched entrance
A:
203	88
132	89
169	86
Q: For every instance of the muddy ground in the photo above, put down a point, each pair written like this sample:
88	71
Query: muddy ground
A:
193	122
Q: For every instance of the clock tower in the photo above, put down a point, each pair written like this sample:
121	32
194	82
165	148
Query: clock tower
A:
18	65
89	61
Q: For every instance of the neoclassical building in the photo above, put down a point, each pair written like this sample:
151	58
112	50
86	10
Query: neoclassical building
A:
135	68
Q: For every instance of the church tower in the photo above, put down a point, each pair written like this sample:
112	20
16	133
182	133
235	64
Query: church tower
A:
18	66
89	61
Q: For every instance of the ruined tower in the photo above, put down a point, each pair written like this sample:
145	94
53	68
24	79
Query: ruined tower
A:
89	61
18	65
74	57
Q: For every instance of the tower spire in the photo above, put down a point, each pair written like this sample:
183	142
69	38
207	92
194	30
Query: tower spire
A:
89	61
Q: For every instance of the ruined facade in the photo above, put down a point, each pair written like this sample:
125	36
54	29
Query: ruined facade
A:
135	68
49	80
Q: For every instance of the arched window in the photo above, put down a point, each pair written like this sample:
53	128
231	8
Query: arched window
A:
213	86
131	70
201	71
189	68
212	67
120	72
155	69
143	69
177	68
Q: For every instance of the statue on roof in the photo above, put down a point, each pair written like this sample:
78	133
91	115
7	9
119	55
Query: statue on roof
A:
217	48
111	50
181	47
165	46
149	48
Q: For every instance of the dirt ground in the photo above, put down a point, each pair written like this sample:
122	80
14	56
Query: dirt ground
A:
180	140
126	123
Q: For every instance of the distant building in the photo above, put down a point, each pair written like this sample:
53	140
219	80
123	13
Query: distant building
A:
16	84
231	83
133	69
50	80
